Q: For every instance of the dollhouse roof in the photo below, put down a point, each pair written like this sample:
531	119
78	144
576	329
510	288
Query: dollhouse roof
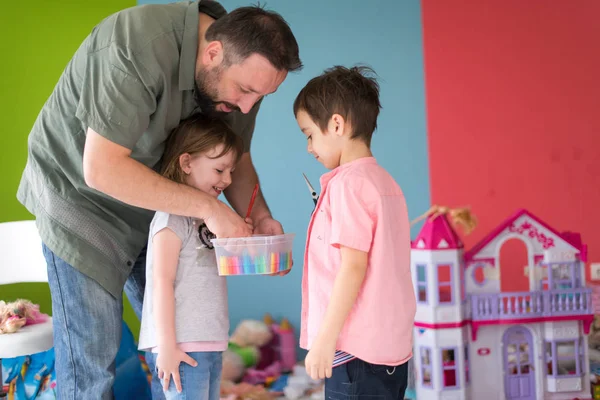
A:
437	234
572	239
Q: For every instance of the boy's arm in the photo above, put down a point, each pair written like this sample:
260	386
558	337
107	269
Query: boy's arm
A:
352	227
345	291
319	361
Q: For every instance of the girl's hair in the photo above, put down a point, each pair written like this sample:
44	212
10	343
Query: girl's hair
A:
194	135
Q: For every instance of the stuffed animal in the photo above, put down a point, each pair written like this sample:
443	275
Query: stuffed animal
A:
243	350
15	315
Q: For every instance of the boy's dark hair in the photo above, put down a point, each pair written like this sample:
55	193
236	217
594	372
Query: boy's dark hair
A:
195	135
249	30
349	92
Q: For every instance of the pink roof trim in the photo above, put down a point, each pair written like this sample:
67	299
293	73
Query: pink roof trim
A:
572	238
434	231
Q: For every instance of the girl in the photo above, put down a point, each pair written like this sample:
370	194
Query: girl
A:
185	317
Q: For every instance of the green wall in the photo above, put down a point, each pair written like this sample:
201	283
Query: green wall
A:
37	39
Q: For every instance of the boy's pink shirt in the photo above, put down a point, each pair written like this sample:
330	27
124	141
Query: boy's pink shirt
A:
362	207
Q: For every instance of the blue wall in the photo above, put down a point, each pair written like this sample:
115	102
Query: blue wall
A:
335	32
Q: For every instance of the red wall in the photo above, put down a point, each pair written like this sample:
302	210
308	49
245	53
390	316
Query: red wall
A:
513	102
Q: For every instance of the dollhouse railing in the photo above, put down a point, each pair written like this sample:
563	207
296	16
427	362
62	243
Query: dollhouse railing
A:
522	305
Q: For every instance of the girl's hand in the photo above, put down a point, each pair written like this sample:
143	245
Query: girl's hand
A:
249	224
167	365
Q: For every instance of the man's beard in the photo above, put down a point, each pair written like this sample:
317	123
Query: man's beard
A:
206	93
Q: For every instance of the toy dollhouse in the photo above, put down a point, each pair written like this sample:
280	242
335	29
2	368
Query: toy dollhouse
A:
479	335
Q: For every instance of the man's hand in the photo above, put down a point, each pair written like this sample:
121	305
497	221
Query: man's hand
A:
226	223
268	226
319	360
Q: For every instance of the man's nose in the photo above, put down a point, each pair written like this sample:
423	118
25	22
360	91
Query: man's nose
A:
247	102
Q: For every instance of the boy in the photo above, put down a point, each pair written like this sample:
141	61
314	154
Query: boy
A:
358	302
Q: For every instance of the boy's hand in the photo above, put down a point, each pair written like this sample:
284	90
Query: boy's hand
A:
319	360
167	365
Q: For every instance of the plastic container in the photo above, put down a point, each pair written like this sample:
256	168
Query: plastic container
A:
254	255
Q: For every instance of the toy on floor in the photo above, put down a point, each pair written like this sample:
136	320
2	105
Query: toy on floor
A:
245	391
281	347
300	384
30	377
15	315
481	327
260	351
33	376
243	350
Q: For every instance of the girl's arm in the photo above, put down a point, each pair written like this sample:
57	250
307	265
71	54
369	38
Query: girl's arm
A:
166	246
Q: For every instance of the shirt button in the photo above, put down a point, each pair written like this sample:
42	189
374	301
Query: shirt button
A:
129	263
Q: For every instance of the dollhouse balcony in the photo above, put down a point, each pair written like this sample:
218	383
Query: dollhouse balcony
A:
528	307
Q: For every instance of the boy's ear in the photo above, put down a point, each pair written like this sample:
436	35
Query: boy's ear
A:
336	125
184	163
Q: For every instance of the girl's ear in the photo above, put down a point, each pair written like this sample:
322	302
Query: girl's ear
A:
184	163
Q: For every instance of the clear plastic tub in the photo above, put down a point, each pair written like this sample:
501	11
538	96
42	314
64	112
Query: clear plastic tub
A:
254	255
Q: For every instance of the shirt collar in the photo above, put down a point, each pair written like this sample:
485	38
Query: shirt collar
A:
328	176
189	48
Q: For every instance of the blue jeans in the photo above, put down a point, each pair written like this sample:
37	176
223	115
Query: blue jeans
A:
202	382
87	329
358	380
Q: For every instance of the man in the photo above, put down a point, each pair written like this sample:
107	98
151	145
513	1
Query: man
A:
90	177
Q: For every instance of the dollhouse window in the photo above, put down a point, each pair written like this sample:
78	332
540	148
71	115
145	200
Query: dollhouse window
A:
426	379
564	358
444	283
563	275
467	366
421	283
449	368
479	274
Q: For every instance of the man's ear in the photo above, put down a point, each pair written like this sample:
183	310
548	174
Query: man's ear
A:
212	55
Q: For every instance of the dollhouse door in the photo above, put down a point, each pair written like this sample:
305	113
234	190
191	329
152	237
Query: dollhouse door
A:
519	374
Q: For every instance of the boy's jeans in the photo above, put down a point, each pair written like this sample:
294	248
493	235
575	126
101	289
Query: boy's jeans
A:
202	382
358	379
87	329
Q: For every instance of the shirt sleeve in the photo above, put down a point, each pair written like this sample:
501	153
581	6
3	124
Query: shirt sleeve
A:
352	223
118	96
181	226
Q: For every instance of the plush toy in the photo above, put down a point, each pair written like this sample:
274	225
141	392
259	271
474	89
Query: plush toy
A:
243	350
15	315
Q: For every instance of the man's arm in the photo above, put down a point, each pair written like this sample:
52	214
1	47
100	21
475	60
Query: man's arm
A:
108	168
